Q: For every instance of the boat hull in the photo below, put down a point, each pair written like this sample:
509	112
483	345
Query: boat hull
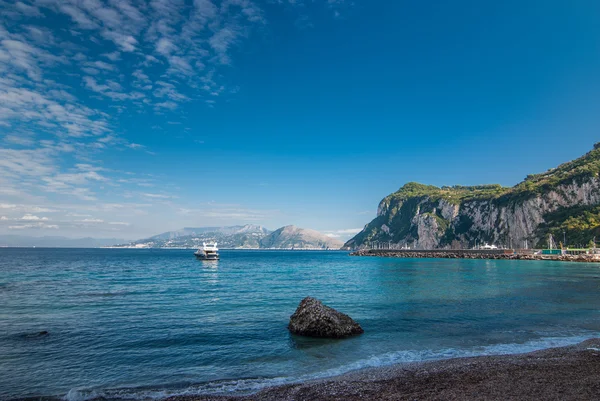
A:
203	256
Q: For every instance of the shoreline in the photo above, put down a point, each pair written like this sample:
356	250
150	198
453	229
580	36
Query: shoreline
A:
226	249
569	372
564	373
473	254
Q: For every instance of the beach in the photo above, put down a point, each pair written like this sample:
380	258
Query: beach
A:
565	373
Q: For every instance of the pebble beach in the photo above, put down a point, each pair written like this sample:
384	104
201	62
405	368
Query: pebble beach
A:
566	373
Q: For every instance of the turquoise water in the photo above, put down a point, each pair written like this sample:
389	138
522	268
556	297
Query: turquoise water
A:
134	324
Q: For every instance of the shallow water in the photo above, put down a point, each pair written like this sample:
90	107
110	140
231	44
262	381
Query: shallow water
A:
149	323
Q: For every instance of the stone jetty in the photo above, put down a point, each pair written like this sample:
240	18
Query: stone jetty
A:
473	254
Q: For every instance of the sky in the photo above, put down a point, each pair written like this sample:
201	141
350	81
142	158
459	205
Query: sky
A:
127	118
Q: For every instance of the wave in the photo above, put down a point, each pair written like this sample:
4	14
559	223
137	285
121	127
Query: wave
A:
253	385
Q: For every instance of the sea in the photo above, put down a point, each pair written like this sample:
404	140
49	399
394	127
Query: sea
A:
143	324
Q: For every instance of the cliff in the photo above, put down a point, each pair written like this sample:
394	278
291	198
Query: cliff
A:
564	199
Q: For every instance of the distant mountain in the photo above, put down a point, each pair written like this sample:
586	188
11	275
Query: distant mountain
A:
56	242
247	236
202	231
240	237
292	237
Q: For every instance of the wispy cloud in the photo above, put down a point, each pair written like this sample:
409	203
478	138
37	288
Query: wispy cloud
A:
227	212
159	196
344	233
34	226
62	88
31	217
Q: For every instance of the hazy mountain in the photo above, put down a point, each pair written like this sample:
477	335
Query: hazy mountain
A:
248	236
56	242
202	231
289	237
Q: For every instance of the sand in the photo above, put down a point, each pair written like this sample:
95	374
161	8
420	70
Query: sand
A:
566	373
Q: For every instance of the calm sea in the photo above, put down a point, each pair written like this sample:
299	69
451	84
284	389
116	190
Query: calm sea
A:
150	323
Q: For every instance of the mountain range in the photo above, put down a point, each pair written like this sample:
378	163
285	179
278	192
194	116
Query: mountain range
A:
240	237
563	204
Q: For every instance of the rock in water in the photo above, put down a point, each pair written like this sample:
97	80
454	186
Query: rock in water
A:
313	319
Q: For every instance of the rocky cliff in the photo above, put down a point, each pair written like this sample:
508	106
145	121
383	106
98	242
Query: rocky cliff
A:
564	201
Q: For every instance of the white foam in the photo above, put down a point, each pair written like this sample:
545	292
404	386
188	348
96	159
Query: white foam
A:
407	356
246	386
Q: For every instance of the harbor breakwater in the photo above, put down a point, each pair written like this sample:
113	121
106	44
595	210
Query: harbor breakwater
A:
473	254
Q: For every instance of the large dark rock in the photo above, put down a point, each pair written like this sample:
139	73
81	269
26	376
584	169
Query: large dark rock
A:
313	319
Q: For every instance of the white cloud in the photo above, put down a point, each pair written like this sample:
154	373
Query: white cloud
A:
38	209
28	10
35	226
102	65
29	217
344	233
165	47
158	196
222	40
166	105
27	209
135	146
17	163
227	212
349	231
19	140
126	43
93	221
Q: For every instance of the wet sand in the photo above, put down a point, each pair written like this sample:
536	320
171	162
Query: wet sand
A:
567	373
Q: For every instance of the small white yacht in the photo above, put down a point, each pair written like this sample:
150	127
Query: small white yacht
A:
209	251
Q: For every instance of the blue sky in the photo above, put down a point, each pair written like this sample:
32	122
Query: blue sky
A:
126	118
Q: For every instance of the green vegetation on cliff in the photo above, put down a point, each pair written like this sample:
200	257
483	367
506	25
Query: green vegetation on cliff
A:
455	194
584	167
579	169
579	224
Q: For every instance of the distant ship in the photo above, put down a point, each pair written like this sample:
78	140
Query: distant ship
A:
209	251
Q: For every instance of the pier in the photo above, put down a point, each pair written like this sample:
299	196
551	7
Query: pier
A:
507	254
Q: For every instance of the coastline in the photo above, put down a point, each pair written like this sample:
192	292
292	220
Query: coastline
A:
474	254
564	373
229	249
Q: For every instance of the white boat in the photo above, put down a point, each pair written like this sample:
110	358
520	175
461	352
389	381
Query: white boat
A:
209	251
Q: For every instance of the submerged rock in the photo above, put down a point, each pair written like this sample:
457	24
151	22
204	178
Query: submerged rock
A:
313	319
34	334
